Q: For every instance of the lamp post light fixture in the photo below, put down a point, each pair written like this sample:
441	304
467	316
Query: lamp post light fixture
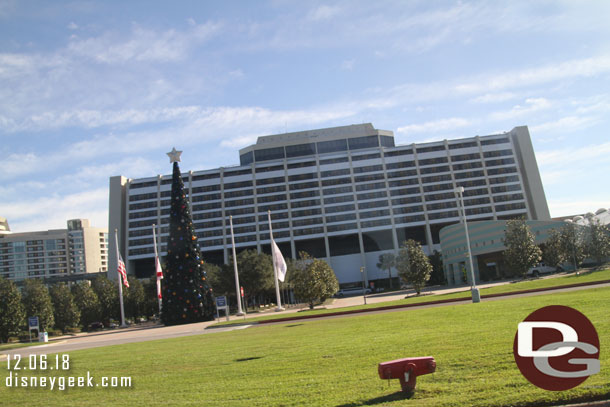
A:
476	296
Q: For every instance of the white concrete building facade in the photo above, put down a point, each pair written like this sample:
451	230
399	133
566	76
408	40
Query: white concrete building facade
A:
345	194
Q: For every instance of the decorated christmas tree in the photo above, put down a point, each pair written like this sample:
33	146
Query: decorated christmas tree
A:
187	296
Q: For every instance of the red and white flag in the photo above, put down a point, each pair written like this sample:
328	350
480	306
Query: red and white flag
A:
122	270
159	276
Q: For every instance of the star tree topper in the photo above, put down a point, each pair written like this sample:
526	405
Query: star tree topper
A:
174	155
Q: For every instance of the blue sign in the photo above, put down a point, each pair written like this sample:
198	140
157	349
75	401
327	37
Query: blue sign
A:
221	302
33	322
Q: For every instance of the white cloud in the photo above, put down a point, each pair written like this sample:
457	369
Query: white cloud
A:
587	154
435	126
72	26
322	13
53	212
494	97
564	124
531	105
143	45
586	67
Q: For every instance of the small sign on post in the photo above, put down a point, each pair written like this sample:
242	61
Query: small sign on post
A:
221	303
33	326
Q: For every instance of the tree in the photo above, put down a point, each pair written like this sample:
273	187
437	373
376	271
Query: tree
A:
151	302
87	302
572	245
313	279
65	310
37	302
552	253
12	313
255	273
597	240
413	265
135	298
187	297
521	252
387	262
108	295
438	273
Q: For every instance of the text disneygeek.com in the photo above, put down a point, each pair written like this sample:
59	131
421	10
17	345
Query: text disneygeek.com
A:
19	367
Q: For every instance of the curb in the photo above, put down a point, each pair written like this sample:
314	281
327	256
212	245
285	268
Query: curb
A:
447	301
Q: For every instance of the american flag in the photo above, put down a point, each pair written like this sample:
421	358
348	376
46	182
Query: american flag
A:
122	271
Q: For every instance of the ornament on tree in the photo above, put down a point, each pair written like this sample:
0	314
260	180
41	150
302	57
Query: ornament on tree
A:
184	261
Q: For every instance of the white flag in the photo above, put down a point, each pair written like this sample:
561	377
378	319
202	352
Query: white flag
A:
278	261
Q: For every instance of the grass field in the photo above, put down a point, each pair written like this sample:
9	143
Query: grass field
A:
334	362
584	277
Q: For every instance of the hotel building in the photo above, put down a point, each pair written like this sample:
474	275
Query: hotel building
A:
70	254
345	194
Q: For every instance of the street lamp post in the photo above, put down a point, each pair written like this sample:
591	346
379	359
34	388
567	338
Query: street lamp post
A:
476	296
363	284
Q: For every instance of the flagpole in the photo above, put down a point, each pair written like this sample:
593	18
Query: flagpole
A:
156	260
277	284
240	312
116	240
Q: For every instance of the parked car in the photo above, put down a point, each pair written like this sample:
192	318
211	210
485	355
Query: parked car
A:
540	269
351	291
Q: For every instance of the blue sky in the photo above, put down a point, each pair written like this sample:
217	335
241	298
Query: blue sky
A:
91	89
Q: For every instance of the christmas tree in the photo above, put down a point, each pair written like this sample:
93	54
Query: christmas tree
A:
187	297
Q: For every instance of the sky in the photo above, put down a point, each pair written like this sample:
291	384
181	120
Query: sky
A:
93	89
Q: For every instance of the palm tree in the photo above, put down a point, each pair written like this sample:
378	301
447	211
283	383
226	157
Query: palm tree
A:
386	262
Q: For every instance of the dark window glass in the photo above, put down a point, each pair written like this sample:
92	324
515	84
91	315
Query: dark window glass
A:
205	176
300	150
363	142
369	168
269	168
274	153
429	149
342	245
236	173
143	184
398	153
301	177
377	241
332	146
366	157
387	141
498	153
334	161
494	141
417	233
462	145
305	194
304	185
301	165
233	185
246	158
314	247
267	181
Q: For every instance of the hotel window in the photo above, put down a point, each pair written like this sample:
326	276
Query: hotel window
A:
300	150
267	154
332	146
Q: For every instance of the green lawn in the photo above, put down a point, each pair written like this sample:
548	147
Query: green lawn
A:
334	362
584	277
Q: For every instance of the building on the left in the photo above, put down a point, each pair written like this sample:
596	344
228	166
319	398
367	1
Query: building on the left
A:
79	252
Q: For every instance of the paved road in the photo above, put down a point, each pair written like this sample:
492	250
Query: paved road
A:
154	332
119	336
